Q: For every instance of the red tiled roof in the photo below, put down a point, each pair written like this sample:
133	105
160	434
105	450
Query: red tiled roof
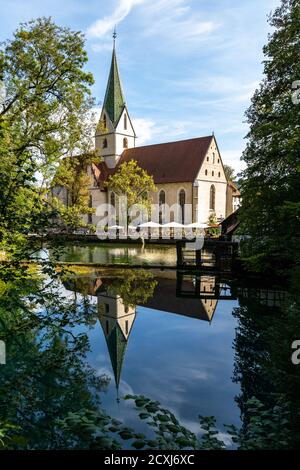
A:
101	173
172	162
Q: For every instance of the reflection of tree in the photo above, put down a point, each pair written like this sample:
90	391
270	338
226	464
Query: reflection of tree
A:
270	383
46	376
134	286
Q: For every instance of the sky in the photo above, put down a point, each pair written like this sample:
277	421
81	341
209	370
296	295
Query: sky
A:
188	67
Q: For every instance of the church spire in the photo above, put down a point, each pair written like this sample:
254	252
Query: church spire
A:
114	101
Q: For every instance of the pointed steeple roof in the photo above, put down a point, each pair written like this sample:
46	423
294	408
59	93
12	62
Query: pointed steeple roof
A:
116	344
114	100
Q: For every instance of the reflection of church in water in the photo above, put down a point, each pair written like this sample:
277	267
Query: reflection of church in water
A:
187	294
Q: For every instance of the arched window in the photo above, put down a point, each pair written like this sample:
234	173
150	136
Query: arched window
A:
125	143
212	198
219	174
207	159
113	199
125	121
161	203
104	121
212	173
182	204
90	216
205	172
104	145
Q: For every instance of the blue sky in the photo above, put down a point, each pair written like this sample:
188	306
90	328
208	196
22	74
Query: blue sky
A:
188	67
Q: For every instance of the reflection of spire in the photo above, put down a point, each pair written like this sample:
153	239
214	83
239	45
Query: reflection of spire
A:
116	320
116	344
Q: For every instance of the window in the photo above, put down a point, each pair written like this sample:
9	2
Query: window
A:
104	144
212	198
207	159
214	156
212	173
125	143
106	306
218	160
104	121
125	121
205	172
126	327
90	216
113	199
161	203
107	327
219	174
182	204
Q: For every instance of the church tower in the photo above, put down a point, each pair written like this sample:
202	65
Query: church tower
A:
115	132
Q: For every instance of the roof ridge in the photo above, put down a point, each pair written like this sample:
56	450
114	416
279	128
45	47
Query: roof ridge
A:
171	142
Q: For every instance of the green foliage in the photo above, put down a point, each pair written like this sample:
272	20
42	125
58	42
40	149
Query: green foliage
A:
133	182
168	432
270	186
72	177
267	429
229	173
212	230
47	93
134	287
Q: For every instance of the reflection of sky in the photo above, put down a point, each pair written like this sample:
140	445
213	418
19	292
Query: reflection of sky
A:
184	363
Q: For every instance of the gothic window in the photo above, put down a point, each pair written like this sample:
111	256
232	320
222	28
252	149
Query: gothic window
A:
104	121
104	145
113	199
205	172
212	198
90	216
219	174
125	121
125	143
214	157
182	204
218	160
212	173
161	203
207	159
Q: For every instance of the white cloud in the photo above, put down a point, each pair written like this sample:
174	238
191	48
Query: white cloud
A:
232	158
144	129
174	20
102	26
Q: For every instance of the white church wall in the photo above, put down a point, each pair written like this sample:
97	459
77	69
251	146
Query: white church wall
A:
212	173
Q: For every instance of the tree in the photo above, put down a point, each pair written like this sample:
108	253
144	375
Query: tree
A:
270	189
229	173
47	93
72	176
133	182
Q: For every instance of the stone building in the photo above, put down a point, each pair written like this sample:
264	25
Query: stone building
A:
186	172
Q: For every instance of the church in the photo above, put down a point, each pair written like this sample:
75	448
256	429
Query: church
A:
186	172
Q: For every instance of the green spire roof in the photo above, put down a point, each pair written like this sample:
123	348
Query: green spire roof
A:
116	344
114	101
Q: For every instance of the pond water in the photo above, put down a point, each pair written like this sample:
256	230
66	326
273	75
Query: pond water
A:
105	253
182	339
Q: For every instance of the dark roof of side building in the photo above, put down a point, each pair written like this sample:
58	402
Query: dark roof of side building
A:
172	162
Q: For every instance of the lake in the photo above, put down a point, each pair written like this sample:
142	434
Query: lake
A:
182	339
